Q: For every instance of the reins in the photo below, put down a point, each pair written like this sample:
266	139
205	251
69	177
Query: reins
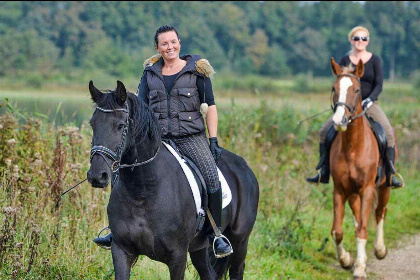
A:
104	152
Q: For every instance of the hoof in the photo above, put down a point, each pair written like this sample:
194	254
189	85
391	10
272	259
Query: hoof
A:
359	278
347	263
380	254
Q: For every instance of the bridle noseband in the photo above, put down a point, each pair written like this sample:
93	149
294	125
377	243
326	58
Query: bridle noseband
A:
115	157
351	109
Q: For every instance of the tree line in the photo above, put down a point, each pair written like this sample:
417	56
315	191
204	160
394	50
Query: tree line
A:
276	39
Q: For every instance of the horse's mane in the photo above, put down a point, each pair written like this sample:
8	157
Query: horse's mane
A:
143	122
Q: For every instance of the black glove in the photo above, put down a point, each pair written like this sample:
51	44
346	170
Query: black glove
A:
366	103
214	148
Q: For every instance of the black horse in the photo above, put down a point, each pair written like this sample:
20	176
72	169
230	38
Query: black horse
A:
151	210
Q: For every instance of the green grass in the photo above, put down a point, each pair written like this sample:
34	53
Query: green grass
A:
291	238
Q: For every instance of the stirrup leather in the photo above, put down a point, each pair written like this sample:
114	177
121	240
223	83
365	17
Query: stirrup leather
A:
103	247
230	245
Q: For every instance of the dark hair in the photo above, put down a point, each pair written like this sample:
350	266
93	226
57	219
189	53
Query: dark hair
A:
163	29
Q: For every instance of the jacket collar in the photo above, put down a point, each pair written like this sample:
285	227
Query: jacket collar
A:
155	64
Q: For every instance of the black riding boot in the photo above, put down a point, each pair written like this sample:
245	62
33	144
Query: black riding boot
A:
221	247
324	165
104	242
390	169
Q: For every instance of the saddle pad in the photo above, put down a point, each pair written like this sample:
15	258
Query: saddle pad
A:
226	193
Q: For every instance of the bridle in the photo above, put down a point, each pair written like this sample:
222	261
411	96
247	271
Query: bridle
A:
115	157
350	108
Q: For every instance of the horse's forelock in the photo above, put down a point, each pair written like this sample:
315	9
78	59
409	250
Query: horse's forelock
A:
142	123
348	69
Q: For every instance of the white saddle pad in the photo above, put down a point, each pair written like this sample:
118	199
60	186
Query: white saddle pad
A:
226	193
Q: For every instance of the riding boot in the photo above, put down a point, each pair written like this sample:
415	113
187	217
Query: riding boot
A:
104	242
324	165
390	169
220	246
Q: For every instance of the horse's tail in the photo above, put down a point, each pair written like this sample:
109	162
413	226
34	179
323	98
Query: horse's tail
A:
220	265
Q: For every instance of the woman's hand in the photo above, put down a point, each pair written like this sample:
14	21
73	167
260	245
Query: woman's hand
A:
214	148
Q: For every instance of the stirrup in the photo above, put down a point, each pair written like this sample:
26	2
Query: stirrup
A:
318	172
103	247
398	175
230	245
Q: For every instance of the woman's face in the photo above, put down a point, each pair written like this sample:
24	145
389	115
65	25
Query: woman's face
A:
360	40
168	45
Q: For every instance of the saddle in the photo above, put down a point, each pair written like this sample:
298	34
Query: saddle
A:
197	183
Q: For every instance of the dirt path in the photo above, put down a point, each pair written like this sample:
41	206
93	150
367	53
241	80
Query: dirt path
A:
402	262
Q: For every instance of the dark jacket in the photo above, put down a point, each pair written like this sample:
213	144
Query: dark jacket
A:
177	111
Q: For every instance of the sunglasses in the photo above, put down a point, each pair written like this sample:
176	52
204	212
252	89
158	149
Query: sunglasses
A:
357	38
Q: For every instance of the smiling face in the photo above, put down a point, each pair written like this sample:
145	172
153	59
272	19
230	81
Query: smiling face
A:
357	40
168	45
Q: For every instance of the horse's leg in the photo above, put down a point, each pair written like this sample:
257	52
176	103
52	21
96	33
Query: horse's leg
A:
201	261
345	259
355	205
122	262
383	197
237	260
177	264
367	196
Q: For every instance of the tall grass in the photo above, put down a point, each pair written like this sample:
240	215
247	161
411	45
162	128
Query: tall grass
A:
291	238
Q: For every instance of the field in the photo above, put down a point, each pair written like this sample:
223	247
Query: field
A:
258	119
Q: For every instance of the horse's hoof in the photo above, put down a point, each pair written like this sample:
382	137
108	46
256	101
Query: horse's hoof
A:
359	278
347	263
380	254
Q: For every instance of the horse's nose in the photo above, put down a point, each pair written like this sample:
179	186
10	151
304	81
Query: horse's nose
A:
99	180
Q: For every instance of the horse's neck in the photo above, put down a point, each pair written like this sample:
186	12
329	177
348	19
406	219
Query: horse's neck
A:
355	135
140	180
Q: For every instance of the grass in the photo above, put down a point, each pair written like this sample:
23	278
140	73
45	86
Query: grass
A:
291	238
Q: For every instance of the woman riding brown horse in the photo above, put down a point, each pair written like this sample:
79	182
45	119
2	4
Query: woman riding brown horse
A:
354	159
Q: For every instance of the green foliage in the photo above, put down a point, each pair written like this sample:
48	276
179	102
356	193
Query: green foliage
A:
265	37
291	238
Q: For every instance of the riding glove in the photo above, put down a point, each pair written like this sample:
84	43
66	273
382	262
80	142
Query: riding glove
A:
366	103
214	148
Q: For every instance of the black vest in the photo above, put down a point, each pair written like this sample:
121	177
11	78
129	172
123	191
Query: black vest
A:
178	111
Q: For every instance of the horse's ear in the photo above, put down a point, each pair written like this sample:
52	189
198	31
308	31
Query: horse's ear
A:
360	69
335	67
95	93
121	93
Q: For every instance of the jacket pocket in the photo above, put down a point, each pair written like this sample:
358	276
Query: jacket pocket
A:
155	100
190	123
188	100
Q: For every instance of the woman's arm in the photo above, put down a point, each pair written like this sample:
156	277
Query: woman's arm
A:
212	121
143	89
378	80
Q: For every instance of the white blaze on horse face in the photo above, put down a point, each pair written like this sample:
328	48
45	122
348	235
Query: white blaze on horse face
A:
345	83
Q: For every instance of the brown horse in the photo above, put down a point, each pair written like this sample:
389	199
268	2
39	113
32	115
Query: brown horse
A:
354	159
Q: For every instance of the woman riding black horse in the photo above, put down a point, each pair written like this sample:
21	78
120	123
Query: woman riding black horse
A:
176	90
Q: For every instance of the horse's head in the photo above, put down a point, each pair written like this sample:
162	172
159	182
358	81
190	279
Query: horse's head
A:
110	122
346	93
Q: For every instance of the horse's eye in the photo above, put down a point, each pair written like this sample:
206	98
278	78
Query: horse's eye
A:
120	126
357	90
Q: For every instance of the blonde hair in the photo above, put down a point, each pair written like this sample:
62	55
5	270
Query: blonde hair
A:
358	28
